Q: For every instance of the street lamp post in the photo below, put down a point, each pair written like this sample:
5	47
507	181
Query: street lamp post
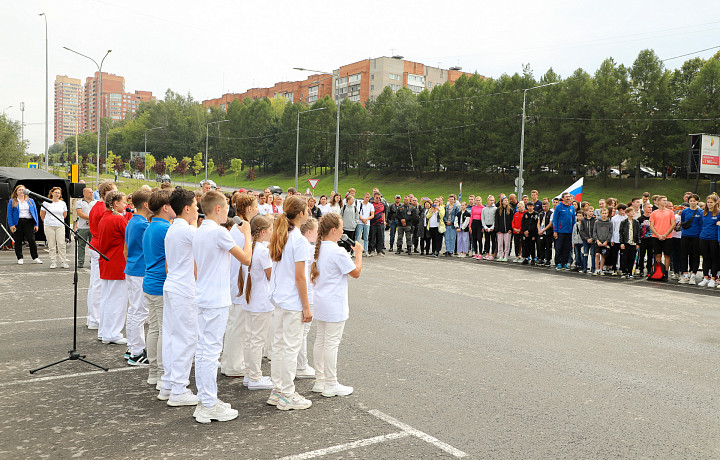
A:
145	148
46	92
22	126
207	138
297	143
337	128
97	108
522	138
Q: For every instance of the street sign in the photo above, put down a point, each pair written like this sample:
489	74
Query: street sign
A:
460	194
32	166
521	182
313	183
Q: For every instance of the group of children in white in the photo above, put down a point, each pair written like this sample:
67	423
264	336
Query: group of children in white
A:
206	291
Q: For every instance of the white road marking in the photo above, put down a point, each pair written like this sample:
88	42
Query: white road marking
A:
43	291
347	446
3	323
67	376
419	434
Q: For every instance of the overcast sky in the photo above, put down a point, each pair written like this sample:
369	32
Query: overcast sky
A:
210	47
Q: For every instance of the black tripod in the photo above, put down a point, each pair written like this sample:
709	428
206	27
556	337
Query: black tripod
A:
74	354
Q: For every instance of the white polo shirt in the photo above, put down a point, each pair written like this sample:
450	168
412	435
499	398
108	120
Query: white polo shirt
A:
85	207
282	280
236	266
211	251
331	288
179	258
260	292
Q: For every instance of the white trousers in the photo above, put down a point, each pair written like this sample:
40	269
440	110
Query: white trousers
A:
94	292
325	351
232	362
180	337
267	352
287	340
55	237
154	335
302	360
136	315
114	309
211	327
257	326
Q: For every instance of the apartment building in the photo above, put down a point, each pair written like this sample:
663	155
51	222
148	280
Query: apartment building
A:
68	106
359	82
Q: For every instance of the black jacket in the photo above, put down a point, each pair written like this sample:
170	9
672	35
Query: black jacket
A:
395	212
625	232
586	228
503	222
529	224
460	218
315	212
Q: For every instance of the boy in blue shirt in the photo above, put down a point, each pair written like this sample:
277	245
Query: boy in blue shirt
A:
155	274
134	273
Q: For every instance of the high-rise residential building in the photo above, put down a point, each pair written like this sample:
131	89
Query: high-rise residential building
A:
359	82
115	103
68	107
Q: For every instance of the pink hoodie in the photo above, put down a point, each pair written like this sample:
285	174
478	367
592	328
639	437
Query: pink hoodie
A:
476	213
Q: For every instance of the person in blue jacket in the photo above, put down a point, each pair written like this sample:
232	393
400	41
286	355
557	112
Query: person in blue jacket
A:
563	222
691	216
23	220
709	242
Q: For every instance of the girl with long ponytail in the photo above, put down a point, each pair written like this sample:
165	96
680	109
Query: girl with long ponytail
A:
309	232
258	308
288	284
329	274
232	360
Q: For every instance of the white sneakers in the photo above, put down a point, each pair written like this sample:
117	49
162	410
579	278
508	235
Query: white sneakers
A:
65	265
318	387
704	282
336	390
164	395
220	411
684	280
185	399
20	262
692	280
53	265
274	398
711	284
264	383
295	402
120	341
307	373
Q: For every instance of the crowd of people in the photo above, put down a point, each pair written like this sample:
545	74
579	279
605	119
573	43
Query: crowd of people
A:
225	279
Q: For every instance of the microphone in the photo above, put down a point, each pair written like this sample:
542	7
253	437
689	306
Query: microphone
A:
238	220
27	192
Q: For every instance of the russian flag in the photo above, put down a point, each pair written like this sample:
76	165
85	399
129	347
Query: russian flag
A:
575	190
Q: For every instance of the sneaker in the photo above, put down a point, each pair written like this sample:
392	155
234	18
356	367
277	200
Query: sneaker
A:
37	261
264	383
158	385
246	381
92	327
274	398
152	380
319	387
295	401
525	262
381	254
65	265
307	373
219	412
164	395
184	399
53	265
692	281
704	282
337	390
684	280
711	284
120	341
20	262
139	360
558	267
127	354
369	254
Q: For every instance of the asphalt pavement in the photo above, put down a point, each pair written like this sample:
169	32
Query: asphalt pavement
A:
449	358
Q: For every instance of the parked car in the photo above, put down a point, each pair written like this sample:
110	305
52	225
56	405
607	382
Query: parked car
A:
162	178
275	190
139	176
125	174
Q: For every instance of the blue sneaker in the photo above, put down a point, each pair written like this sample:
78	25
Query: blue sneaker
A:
558	267
566	267
127	354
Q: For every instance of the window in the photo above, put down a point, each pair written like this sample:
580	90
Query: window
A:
418	80
415	88
395	87
372	87
372	76
354	78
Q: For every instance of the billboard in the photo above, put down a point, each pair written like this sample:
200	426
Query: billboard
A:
710	154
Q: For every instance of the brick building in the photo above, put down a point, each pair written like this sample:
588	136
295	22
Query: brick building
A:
359	82
68	106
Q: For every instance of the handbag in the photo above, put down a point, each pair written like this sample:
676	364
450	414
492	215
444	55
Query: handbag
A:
687	224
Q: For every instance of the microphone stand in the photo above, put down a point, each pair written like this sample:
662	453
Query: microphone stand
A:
74	355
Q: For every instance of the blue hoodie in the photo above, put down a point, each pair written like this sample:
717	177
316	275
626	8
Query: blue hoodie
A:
564	218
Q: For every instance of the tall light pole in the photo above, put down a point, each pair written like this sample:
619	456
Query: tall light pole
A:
522	138
97	107
47	84
145	148
207	138
337	127
22	126
297	143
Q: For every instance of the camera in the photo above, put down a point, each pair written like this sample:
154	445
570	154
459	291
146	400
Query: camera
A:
346	243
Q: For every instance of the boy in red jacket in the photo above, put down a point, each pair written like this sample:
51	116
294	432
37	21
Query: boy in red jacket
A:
516	229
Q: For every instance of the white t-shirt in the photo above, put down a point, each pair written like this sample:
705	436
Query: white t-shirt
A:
282	279
211	251
366	210
264	209
24	210
308	266
337	209
331	288
434	220
235	266
616	219
279	209
58	208
324	209
260	292
85	207
179	258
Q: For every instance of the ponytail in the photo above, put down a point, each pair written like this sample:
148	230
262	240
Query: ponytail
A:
257	225
328	222
294	205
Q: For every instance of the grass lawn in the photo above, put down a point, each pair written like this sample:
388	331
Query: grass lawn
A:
432	186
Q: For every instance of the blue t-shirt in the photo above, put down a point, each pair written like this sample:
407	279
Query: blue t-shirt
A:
135	265
709	227
696	225
154	250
